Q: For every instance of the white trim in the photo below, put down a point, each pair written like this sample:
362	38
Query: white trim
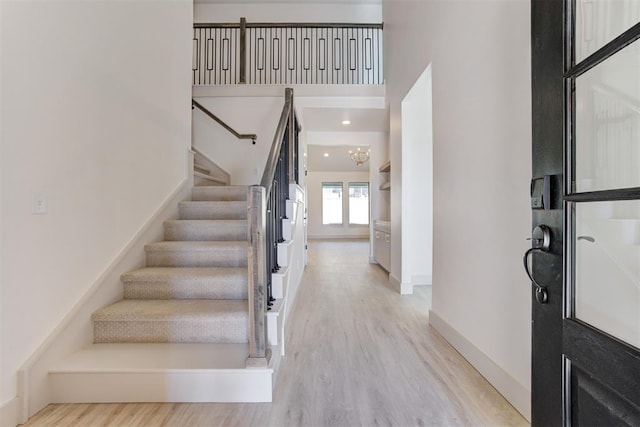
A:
166	385
358	96
9	413
402	287
338	236
75	330
509	387
422	280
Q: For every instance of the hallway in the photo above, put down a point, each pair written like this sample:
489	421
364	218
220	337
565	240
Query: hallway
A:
359	354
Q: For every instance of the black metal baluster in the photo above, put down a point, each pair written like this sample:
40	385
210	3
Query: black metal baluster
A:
287	54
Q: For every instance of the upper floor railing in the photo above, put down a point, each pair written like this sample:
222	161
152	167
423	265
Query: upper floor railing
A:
287	53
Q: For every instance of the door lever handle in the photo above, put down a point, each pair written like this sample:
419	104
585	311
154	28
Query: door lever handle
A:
541	240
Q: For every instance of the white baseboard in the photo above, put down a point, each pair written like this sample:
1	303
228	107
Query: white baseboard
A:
405	288
510	388
75	331
402	288
9	413
421	280
339	236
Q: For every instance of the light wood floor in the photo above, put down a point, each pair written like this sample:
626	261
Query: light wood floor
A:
358	354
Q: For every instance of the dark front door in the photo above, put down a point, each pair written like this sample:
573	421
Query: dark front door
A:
585	257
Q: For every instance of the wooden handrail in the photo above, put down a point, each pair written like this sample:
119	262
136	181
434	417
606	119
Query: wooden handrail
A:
378	26
212	116
272	160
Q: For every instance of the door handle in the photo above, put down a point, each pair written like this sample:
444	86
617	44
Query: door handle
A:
541	241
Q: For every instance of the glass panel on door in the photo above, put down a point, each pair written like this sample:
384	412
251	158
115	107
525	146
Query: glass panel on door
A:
607	267
607	123
600	21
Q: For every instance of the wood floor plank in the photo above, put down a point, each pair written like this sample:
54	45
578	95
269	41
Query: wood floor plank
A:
358	354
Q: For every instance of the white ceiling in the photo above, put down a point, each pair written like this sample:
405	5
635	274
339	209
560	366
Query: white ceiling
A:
330	119
327	134
338	160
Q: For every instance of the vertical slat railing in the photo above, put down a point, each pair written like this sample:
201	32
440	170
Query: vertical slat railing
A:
266	210
287	53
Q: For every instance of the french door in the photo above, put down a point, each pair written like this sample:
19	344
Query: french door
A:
585	258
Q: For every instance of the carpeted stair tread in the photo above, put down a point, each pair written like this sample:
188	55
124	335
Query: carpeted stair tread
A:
220	193
197	254
180	321
202	169
171	310
194	288
205	179
206	229
196	246
186	283
213	210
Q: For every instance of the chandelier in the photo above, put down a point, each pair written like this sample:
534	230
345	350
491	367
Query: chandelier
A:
359	156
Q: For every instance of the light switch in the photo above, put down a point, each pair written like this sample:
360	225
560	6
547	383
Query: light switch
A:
39	204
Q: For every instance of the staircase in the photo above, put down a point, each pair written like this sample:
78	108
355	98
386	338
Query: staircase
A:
192	325
194	288
185	313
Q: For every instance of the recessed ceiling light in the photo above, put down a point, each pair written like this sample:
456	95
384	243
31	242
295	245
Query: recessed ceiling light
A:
326	154
346	122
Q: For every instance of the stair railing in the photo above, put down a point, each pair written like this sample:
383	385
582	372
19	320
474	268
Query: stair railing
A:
287	53
266	209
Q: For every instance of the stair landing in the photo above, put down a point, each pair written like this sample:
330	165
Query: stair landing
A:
160	373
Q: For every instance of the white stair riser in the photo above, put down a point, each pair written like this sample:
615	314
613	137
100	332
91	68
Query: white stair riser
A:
205	385
191	231
279	282
183	331
213	210
200	258
222	193
284	253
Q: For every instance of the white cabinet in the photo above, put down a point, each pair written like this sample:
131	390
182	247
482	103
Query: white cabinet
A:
382	243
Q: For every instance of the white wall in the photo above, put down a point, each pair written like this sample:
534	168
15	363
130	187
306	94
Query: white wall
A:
95	112
315	229
6	402
480	57
288	12
250	115
417	180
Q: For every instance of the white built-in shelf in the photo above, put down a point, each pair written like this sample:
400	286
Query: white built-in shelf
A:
386	167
